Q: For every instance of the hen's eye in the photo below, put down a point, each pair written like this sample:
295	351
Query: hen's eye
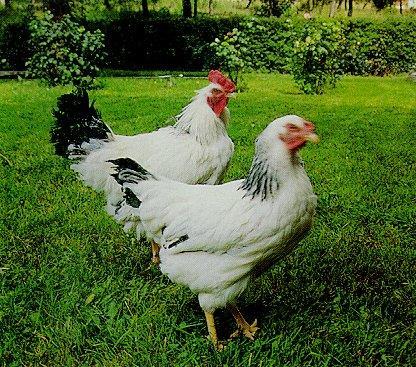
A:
292	127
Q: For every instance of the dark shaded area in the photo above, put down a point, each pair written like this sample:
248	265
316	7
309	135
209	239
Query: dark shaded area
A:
161	41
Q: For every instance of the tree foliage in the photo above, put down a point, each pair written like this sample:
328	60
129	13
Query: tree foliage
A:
64	52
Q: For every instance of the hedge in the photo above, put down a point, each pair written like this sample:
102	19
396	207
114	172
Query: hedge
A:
162	41
14	39
372	46
169	42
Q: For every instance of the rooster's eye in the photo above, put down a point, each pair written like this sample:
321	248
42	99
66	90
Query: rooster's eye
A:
216	91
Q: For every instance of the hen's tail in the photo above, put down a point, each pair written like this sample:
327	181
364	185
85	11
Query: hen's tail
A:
128	173
78	126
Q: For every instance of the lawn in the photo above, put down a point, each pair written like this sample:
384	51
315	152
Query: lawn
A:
76	290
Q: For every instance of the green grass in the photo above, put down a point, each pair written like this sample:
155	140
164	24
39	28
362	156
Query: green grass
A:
75	290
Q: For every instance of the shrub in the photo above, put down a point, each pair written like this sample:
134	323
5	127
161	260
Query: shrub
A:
229	52
64	52
169	42
268	44
379	47
255	45
381	4
316	63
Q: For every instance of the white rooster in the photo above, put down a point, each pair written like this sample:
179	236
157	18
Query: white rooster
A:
195	150
214	239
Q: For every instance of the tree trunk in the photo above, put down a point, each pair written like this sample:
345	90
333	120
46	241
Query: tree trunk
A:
310	5
7	3
350	5
401	6
145	8
187	8
321	8
210	6
195	8
339	4
333	8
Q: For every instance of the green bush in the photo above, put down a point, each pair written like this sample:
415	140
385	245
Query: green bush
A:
369	47
275	7
169	42
315	61
379	47
269	44
64	52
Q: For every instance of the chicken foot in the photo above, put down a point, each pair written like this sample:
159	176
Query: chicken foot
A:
242	325
212	330
155	253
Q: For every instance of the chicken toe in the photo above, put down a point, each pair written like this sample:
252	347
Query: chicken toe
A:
243	326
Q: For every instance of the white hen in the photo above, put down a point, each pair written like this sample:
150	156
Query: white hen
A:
214	239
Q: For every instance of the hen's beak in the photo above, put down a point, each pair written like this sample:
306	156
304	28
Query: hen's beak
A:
312	137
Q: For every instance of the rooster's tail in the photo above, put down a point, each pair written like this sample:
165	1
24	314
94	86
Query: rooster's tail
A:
78	126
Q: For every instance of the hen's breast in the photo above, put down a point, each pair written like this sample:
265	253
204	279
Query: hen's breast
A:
282	224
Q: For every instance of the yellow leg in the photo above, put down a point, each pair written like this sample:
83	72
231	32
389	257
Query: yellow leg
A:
212	330
155	253
248	330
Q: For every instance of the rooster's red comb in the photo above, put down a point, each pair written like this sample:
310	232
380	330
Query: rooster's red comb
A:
215	76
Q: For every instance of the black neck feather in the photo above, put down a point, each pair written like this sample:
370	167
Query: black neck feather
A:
261	180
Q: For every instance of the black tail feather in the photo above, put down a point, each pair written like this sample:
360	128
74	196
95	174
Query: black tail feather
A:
76	121
131	199
128	170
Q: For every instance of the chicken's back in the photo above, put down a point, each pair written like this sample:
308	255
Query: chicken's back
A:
166	152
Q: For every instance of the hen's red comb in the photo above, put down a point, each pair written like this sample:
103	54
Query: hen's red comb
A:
215	76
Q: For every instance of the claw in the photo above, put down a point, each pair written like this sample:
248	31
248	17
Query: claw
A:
249	331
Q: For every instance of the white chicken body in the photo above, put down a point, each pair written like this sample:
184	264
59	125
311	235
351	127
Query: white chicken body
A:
196	149
215	238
